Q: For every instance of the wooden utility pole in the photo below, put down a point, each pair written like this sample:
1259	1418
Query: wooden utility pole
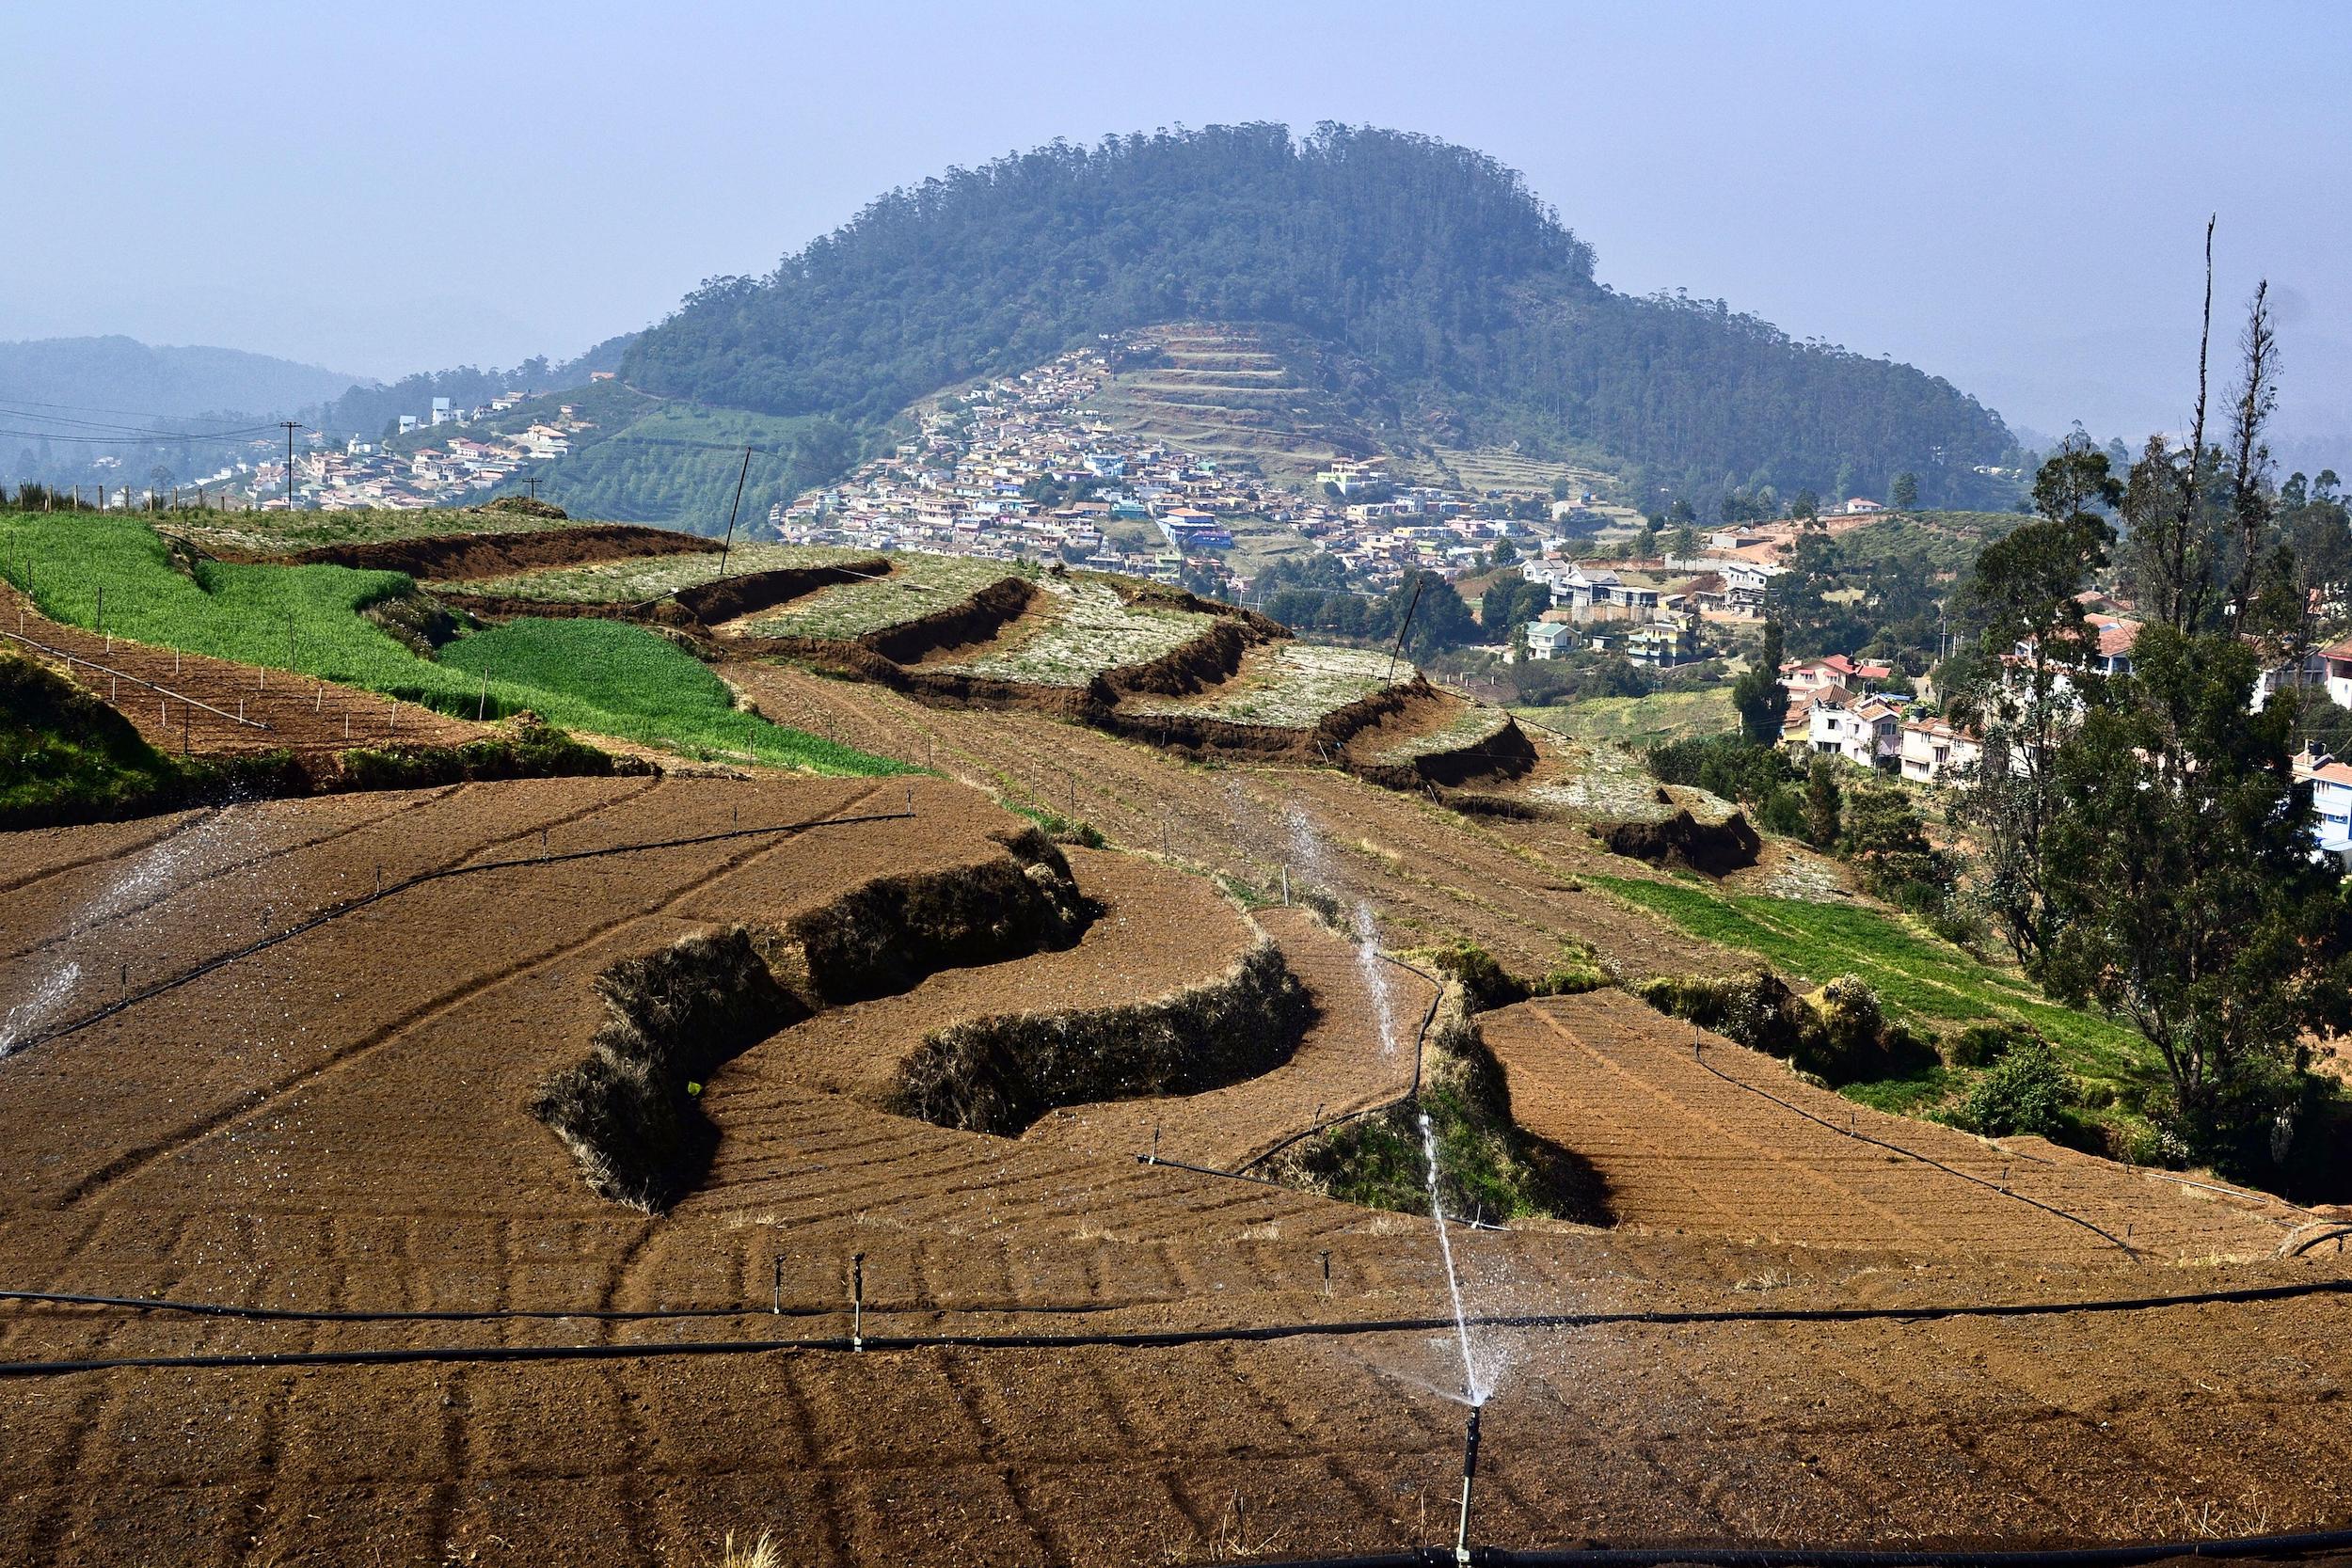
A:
742	474
290	426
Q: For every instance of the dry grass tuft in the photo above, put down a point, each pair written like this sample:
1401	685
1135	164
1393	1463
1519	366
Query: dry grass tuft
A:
762	1553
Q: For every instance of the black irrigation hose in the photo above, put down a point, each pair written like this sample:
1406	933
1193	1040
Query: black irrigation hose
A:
1420	1037
352	906
511	1314
1170	1338
2127	1249
2237	1547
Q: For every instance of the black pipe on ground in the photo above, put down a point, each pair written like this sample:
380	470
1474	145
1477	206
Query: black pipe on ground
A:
2286	1547
1167	1338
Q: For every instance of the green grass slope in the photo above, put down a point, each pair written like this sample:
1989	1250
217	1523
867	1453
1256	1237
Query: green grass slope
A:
595	676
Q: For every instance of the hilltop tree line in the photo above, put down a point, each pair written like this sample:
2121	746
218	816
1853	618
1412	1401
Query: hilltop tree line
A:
1464	310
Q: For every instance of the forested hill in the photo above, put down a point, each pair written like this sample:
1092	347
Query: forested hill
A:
1466	307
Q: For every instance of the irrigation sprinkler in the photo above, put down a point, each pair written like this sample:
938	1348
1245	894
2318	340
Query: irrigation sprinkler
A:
1469	1472
775	1296
1155	1145
543	844
1327	1273
857	1301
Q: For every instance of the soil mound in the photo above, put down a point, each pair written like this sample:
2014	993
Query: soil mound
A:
1683	841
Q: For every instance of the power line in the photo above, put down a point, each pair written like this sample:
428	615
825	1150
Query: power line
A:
85	408
150	439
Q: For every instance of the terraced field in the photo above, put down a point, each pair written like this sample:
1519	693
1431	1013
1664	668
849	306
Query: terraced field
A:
1064	1354
639	578
1233	392
1726	1141
1288	684
1085	628
918	585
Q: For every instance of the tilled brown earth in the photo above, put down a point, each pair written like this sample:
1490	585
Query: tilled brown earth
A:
1428	873
1696	1134
1358	1055
336	1124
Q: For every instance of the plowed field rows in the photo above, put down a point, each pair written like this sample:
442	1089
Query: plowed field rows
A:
337	1123
1358	1055
1689	1141
1427	873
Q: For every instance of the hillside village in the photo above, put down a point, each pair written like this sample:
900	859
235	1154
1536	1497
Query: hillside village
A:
409	466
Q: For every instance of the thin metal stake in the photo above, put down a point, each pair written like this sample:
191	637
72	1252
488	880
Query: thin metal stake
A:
1327	1273
775	1300
857	1301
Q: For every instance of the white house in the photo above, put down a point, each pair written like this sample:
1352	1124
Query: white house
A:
1863	732
2331	800
2338	657
1549	639
1933	750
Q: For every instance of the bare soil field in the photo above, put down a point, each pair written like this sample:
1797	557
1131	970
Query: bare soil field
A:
185	703
1358	1055
337	1124
1428	873
1727	1141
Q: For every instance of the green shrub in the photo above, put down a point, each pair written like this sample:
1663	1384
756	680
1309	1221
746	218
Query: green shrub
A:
1486	985
1487	1166
1841	1035
2025	1091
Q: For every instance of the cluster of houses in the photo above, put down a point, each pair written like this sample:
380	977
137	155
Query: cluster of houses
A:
1026	467
1837	707
1651	612
467	463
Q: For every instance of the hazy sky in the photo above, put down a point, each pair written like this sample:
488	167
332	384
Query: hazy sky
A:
2008	196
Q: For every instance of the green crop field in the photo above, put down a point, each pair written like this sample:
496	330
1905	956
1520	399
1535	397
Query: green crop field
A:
1290	685
919	585
600	677
639	686
1928	983
647	576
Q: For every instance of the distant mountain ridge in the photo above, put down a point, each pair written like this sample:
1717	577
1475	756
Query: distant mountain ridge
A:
122	375
1460	309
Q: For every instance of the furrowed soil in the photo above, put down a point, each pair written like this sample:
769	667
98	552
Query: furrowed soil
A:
336	1122
1428	873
